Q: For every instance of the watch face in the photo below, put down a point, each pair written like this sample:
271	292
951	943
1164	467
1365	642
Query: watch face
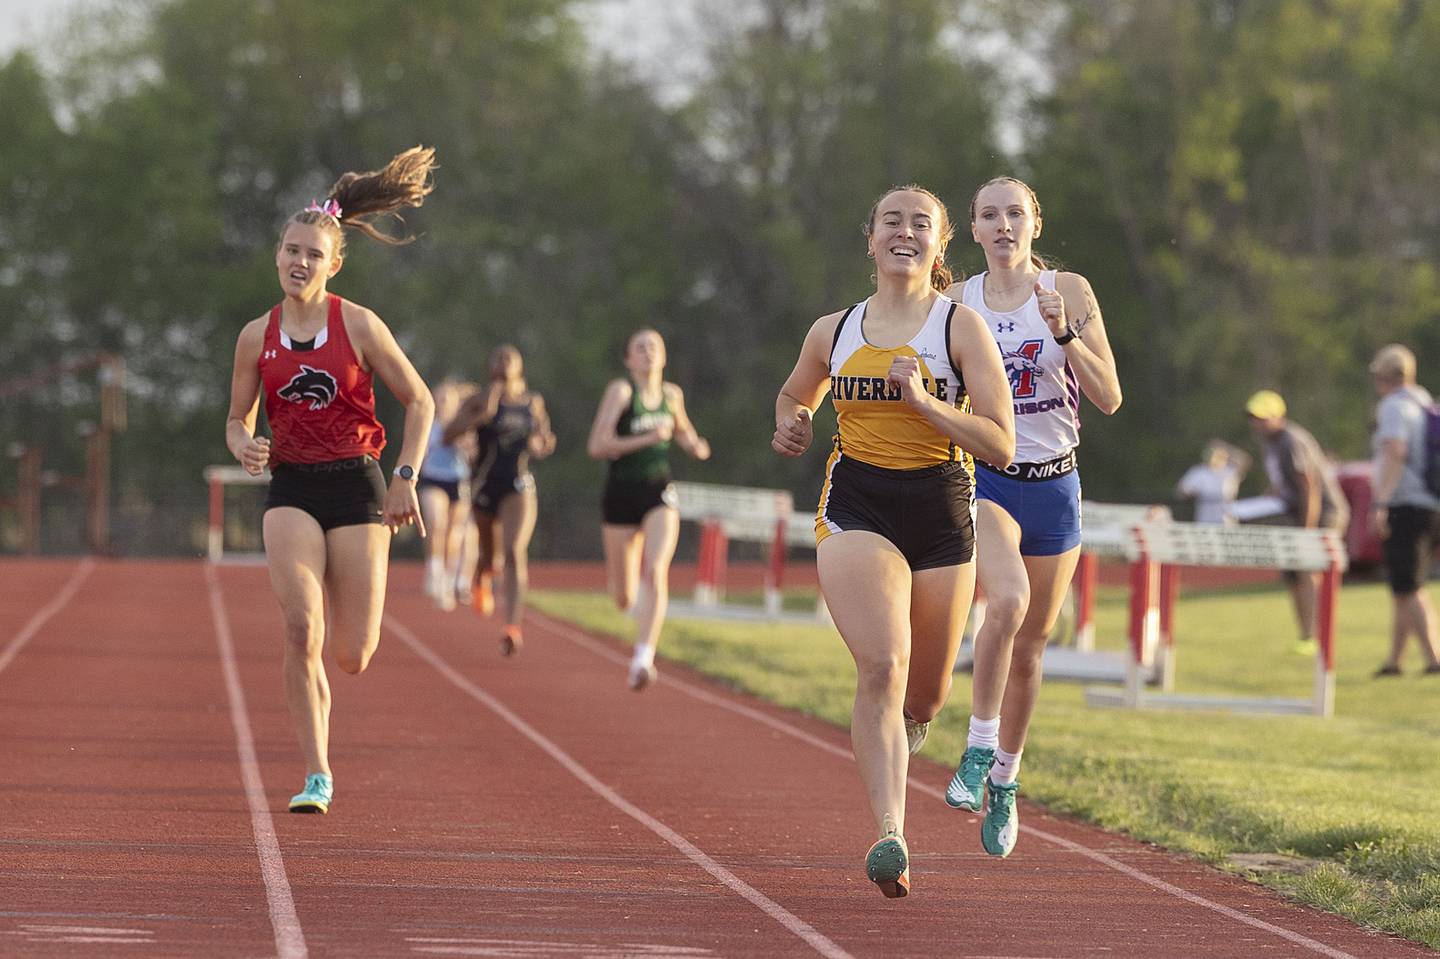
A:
405	472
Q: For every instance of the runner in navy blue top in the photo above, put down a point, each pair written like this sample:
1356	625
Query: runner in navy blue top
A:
510	426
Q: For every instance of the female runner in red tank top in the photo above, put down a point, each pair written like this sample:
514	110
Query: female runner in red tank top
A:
328	514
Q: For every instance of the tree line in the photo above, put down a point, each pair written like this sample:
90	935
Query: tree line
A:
1249	185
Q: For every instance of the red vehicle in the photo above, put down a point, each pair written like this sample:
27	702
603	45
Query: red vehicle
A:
1360	541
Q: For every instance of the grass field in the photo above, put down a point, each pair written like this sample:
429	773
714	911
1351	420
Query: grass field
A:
1343	813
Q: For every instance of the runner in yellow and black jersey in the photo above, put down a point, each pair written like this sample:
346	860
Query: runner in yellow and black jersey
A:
918	387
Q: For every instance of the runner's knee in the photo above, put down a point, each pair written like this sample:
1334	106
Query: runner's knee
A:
1006	609
923	706
882	675
304	631
352	659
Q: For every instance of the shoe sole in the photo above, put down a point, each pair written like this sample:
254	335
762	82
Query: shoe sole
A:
310	807
640	680
971	806
887	865
509	646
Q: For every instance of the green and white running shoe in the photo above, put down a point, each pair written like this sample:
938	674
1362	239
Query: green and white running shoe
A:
316	796
1001	825
915	733
967	786
887	865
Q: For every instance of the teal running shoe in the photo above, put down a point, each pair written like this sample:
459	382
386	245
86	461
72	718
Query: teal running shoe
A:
1001	825
316	796
887	865
915	733
967	786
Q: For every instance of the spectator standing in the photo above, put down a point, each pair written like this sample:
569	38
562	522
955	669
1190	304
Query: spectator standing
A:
1300	475
1214	481
1404	512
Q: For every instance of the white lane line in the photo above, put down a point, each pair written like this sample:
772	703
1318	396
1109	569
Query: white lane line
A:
606	652
734	883
85	930
66	593
517	948
289	939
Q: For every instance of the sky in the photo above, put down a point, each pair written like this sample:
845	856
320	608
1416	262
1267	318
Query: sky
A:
23	21
660	39
611	22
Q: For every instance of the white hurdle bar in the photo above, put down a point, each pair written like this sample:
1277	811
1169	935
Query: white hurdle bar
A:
1104	533
1154	545
744	513
216	478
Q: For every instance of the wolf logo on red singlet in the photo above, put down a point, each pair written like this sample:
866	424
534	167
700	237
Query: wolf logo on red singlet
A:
317	386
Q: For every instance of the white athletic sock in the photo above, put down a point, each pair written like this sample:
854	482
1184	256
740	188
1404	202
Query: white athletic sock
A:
644	654
984	733
436	568
1006	768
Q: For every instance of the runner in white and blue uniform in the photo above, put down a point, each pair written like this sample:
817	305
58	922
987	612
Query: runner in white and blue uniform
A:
444	501
1049	331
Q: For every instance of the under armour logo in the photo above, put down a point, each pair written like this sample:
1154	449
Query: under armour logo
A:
1005	327
269	355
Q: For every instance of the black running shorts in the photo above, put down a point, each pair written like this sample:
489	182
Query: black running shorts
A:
340	493
926	513
626	503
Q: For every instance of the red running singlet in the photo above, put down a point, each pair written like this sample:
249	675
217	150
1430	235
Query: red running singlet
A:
320	403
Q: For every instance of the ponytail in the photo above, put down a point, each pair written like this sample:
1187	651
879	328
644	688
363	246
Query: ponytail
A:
358	198
941	276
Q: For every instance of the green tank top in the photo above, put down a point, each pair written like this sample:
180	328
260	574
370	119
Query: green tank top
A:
651	464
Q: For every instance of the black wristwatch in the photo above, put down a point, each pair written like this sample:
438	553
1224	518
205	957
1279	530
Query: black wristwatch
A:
406	473
1066	337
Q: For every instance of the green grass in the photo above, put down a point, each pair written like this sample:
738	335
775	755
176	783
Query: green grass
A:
1345	811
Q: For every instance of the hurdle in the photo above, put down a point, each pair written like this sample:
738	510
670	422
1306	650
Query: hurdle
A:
1105	534
1153	545
766	517
216	479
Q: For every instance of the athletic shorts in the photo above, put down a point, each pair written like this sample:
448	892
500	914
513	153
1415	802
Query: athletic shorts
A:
627	503
492	492
349	492
926	513
451	488
1043	498
1414	531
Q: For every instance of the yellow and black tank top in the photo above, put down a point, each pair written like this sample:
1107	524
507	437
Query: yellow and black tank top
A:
876	426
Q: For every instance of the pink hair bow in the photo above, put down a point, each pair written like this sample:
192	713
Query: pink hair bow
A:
329	208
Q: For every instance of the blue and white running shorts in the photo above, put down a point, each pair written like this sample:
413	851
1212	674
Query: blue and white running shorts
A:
1047	509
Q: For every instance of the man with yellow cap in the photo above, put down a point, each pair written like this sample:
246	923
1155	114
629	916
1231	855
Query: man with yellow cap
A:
1300	475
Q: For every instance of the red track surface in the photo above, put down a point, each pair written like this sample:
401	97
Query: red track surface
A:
493	807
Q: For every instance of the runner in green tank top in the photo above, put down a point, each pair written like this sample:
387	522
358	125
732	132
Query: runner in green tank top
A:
649	464
638	418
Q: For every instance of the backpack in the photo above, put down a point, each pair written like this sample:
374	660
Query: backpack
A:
1432	450
1430	436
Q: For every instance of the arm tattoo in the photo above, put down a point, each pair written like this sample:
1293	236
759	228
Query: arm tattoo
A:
1092	310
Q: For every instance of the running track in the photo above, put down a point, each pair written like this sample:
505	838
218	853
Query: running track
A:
512	808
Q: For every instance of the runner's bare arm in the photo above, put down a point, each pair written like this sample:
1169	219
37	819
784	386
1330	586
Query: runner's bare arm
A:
253	452
804	390
686	436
